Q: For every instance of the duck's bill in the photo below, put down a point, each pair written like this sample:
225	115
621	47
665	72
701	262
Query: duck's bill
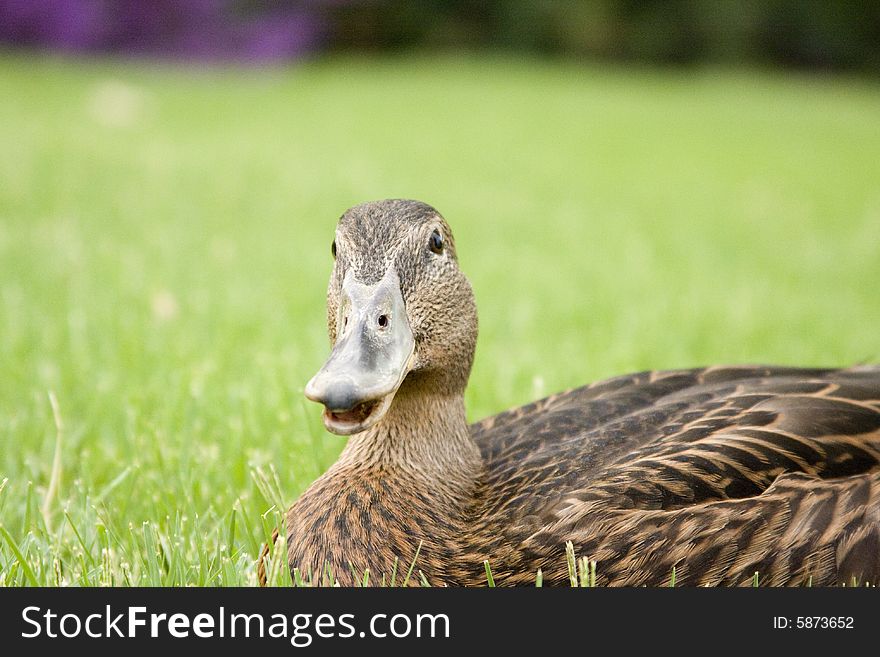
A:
372	355
360	418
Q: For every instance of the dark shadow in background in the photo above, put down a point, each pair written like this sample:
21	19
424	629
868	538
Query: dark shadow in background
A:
814	34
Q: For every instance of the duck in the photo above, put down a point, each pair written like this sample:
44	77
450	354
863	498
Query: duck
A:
712	476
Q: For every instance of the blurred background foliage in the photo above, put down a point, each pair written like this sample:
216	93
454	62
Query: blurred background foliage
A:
830	36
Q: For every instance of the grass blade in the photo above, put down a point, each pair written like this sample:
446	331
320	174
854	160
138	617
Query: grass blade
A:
572	564
86	551
118	479
230	534
55	477
2	487
489	579
25	566
394	573
412	565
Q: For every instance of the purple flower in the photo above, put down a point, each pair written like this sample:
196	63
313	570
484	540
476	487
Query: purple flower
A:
212	30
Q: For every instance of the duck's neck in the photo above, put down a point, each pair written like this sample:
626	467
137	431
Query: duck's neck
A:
424	438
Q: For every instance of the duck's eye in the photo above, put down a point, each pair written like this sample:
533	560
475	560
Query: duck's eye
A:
436	242
333	249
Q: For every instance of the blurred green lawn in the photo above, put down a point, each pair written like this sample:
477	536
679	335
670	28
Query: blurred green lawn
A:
165	244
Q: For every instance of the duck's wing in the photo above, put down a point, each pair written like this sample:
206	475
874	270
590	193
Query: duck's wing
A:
676	441
801	531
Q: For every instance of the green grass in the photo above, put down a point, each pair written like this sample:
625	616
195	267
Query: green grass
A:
165	243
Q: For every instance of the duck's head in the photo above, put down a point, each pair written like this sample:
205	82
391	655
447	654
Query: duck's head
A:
400	314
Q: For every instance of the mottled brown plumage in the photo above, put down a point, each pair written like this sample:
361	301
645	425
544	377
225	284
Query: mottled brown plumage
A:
719	472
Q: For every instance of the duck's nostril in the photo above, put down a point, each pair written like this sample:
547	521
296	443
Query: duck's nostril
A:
383	321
